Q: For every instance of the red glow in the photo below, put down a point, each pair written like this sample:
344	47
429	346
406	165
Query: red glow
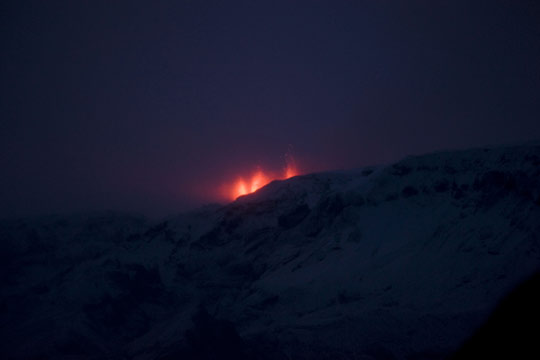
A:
291	169
260	178
240	188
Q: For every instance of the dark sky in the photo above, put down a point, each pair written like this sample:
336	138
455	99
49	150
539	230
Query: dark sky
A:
150	106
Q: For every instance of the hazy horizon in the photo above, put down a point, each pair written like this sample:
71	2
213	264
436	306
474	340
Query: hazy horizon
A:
156	108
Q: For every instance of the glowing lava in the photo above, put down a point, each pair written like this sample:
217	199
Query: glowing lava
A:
260	178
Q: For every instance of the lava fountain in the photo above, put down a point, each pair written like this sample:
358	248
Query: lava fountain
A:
260	178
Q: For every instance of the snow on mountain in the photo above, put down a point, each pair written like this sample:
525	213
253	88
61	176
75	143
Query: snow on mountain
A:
399	261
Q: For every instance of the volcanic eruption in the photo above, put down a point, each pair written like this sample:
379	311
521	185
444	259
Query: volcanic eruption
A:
248	184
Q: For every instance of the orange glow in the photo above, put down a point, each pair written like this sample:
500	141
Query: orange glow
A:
241	188
260	178
291	169
244	187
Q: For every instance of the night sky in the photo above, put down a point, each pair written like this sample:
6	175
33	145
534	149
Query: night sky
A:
151	107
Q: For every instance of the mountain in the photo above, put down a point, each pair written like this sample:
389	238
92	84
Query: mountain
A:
404	261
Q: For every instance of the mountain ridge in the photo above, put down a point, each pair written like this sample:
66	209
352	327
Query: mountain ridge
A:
398	261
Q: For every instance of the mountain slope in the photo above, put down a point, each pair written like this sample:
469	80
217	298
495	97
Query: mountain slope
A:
399	261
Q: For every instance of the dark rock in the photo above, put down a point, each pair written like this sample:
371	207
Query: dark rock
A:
156	230
441	186
212	338
400	170
409	191
509	332
294	217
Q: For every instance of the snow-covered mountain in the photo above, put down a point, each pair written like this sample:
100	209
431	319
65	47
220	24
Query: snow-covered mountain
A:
400	261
